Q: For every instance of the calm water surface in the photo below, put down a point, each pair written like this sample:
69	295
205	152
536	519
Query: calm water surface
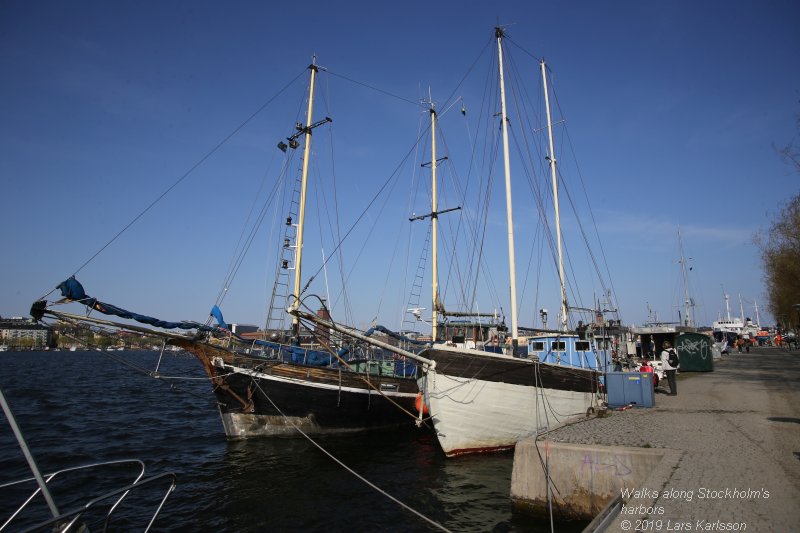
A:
81	407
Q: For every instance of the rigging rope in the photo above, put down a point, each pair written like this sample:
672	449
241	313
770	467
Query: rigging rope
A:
363	213
591	212
372	87
340	463
149	373
184	176
240	253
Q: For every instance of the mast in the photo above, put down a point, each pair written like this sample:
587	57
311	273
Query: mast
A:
727	306
512	274
434	229
554	175
301	215
434	216
686	301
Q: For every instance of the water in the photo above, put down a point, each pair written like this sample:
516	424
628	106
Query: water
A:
81	407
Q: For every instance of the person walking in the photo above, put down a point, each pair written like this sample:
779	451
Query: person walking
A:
669	359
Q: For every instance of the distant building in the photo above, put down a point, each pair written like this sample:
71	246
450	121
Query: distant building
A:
24	333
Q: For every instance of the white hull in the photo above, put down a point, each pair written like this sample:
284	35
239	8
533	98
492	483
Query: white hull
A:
472	415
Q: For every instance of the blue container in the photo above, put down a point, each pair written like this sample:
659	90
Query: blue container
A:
630	388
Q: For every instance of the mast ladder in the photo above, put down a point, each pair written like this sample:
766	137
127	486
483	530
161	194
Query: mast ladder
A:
410	324
276	315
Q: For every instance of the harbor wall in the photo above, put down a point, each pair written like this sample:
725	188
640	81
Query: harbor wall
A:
585	478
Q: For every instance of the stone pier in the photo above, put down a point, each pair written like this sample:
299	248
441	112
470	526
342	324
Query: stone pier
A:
724	454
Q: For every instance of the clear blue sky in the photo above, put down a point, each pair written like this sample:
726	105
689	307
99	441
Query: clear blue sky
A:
674	109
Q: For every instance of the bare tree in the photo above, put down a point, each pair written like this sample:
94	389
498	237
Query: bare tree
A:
780	255
780	250
790	154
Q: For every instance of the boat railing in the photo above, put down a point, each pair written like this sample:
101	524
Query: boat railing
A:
71	520
384	367
355	361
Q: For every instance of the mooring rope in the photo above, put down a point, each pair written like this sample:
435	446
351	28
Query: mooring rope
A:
150	373
340	463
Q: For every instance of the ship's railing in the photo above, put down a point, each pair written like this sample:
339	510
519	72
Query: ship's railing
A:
356	362
72	519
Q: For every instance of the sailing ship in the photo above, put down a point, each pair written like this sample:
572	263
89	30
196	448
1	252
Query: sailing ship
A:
266	387
484	388
483	401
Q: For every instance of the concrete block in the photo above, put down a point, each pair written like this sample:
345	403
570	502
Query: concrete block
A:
584	478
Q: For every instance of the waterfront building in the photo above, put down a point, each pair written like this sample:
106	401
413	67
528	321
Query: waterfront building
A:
21	333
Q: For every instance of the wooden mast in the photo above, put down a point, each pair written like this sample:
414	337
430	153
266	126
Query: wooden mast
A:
301	215
434	229
552	161
512	273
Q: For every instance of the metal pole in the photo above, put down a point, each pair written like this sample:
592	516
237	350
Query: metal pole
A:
28	456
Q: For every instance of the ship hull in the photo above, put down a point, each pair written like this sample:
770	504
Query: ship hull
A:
261	397
482	402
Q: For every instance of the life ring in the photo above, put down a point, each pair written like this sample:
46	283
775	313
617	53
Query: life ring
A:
420	405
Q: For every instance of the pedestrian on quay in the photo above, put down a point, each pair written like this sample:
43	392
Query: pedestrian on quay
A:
669	358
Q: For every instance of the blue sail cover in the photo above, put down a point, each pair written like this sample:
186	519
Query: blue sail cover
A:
217	314
72	289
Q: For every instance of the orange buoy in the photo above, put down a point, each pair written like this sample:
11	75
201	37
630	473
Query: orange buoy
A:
420	404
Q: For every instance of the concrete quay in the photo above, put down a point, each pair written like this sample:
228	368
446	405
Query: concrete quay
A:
730	442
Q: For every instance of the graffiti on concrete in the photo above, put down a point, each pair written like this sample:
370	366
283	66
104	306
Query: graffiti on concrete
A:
614	463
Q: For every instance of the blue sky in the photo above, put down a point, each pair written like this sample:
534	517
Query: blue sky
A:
673	111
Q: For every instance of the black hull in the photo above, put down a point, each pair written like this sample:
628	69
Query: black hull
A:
485	366
258	397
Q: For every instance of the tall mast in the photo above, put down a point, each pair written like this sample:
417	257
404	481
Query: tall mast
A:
686	301
554	175
434	228
758	319
512	273
301	215
727	306
741	307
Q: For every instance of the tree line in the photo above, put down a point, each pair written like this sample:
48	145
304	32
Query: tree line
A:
780	252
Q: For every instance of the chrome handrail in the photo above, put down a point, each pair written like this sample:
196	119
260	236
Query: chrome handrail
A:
77	513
